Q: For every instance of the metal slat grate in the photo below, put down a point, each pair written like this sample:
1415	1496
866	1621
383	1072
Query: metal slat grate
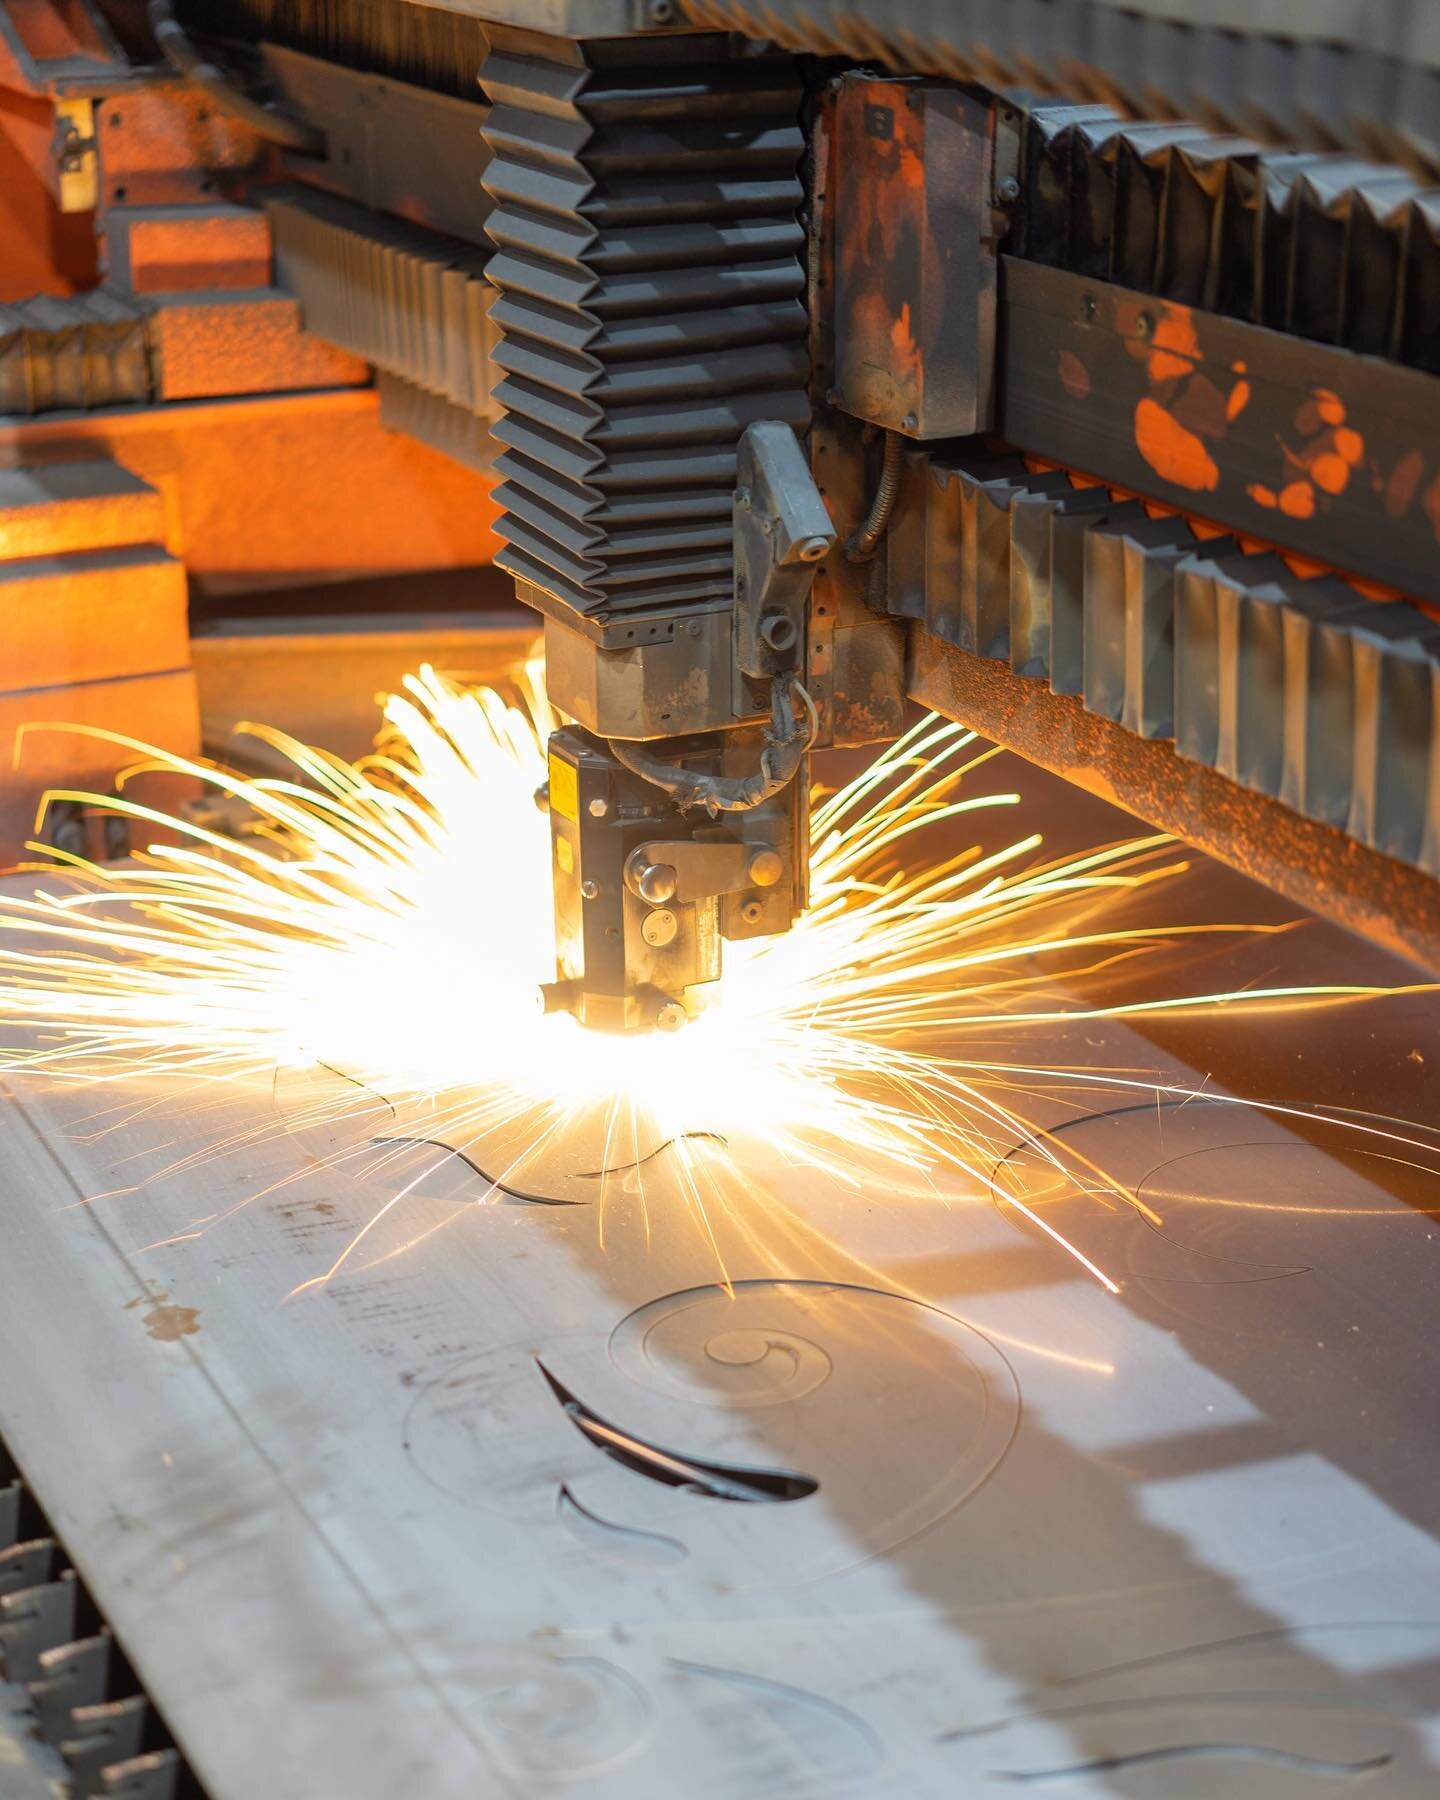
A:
69	1701
1298	687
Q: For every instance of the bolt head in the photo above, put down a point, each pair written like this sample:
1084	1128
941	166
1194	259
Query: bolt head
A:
599	807
659	928
813	549
1009	189
909	422
589	889
671	1016
752	911
656	883
765	868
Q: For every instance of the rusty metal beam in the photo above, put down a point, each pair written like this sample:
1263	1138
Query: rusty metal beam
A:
1329	454
1320	868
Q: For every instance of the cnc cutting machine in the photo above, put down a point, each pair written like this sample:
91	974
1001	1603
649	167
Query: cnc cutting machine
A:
1072	374
1066	366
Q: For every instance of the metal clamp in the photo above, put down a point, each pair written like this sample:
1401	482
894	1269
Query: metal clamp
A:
782	531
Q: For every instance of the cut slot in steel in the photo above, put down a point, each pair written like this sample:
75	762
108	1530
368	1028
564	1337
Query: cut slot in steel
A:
512	1192
716	1481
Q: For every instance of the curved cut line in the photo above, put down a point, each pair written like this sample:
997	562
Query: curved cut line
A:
1257	1753
715	1481
523	1195
714	1137
653	1547
491	1181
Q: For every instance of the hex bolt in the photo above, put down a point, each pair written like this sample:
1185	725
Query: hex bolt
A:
599	807
659	928
765	867
589	889
752	911
813	549
661	11
671	1016
1009	189
909	422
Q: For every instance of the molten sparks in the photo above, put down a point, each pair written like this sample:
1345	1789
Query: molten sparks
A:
391	920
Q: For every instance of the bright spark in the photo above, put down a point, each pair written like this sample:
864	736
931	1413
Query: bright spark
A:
391	919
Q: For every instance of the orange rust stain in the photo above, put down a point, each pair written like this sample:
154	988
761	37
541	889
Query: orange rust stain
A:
1074	376
1330	472
1239	398
1176	346
168	1324
1174	453
1297	501
901	335
1404	484
1331	407
909	364
1262	495
1350	444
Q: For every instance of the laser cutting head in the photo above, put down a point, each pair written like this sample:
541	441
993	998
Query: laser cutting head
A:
646	887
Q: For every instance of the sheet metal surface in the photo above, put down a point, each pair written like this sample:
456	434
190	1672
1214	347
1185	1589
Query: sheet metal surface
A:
1183	1542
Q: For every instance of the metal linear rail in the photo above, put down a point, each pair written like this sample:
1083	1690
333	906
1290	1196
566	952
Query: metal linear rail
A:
1328	453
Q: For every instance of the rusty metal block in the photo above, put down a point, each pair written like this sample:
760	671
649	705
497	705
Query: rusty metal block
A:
173	249
88	505
165	143
241	342
91	615
915	255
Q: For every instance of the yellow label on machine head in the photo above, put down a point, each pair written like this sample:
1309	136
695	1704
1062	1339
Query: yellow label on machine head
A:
565	790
